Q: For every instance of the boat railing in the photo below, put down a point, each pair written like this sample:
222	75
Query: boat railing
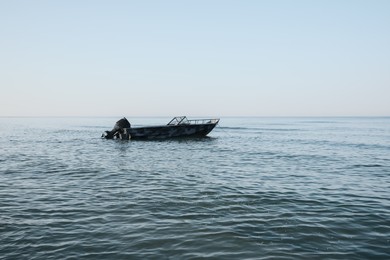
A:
182	120
203	121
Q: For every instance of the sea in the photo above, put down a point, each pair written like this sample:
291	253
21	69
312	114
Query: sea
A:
256	188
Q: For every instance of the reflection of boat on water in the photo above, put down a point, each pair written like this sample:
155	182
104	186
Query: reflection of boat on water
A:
177	127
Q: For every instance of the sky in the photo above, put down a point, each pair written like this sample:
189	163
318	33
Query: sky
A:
195	58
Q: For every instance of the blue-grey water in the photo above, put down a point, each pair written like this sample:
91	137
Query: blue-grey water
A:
258	188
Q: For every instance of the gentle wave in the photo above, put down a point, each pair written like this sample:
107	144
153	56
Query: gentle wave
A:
243	193
367	165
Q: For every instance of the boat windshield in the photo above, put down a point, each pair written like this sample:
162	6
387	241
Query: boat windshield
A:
179	120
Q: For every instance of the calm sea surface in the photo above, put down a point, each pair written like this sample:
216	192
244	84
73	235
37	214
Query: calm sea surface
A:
258	188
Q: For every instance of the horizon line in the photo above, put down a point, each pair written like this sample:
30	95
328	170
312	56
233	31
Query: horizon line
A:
222	116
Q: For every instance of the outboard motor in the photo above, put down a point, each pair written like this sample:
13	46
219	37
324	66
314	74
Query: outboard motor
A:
118	129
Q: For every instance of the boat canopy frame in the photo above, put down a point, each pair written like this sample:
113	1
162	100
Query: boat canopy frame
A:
182	120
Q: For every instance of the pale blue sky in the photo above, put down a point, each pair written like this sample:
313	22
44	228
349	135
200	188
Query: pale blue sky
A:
217	58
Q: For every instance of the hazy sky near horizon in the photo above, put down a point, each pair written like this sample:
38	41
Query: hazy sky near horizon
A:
217	58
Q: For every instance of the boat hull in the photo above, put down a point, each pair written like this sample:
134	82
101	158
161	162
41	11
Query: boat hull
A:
178	127
167	131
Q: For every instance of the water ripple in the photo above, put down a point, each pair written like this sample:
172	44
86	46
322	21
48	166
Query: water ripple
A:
246	193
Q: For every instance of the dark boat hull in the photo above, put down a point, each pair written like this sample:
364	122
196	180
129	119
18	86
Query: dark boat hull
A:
167	131
178	127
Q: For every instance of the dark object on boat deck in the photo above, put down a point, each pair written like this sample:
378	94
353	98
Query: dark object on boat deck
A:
177	127
118	129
